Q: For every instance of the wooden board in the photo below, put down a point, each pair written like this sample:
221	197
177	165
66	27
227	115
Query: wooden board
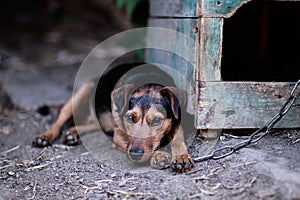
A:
204	53
174	8
244	105
220	8
176	51
210	49
197	8
194	8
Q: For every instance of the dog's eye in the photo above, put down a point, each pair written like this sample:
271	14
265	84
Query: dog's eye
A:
156	121
130	118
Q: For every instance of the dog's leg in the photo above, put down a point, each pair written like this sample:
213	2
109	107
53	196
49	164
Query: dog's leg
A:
65	114
181	159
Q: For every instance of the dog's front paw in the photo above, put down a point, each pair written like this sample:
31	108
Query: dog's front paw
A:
71	138
160	160
182	163
41	141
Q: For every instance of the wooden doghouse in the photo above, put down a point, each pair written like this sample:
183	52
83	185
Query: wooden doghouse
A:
238	102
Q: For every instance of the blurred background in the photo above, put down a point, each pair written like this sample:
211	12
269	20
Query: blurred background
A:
51	33
44	42
260	40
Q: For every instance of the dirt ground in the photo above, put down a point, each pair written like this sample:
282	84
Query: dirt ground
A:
37	77
267	170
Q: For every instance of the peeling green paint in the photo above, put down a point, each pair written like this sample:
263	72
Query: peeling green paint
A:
220	8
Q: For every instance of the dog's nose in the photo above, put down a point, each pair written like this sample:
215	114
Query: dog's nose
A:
136	154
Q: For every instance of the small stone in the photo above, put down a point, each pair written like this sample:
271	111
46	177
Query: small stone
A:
11	173
114	175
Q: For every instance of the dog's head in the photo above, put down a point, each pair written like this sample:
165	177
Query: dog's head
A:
149	116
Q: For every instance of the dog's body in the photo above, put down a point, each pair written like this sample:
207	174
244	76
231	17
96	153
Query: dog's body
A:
141	116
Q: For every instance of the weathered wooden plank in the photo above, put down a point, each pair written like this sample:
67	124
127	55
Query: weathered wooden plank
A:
205	52
210	48
198	8
220	8
209	52
194	8
173	8
232	105
176	51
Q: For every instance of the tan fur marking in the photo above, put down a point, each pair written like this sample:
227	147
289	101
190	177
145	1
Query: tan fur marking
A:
67	111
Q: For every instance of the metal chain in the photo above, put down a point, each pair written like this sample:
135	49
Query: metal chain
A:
264	130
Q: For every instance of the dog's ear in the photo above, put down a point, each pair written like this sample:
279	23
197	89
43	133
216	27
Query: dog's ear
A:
119	97
176	97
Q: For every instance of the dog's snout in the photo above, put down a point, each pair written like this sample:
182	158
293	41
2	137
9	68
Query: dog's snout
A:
136	154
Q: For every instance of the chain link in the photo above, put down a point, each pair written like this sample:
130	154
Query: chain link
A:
257	135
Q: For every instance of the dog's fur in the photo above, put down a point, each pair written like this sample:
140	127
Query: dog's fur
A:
140	120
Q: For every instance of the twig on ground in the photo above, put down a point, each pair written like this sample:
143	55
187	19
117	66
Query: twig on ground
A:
5	130
194	171
244	164
241	186
210	193
234	136
62	146
37	167
294	142
195	196
87	189
101	181
10	150
42	152
130	194
85	153
6	166
211	172
34	190
203	177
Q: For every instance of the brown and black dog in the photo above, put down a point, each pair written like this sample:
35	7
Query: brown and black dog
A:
141	116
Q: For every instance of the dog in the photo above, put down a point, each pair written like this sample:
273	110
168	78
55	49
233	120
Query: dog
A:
138	113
